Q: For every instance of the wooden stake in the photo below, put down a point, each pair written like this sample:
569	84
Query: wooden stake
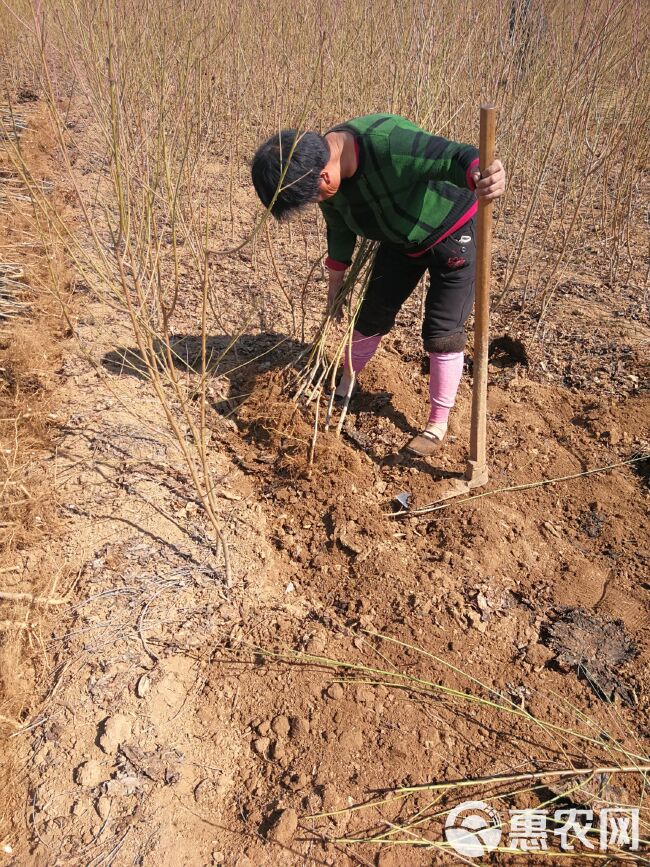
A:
476	471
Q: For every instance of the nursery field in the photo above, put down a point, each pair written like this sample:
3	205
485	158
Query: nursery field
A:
240	628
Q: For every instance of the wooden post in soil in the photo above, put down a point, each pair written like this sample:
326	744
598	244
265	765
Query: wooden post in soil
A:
476	471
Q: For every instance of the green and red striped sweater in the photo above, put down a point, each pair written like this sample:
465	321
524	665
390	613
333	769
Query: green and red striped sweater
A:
411	189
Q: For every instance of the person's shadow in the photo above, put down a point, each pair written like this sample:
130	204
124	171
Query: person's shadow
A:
242	361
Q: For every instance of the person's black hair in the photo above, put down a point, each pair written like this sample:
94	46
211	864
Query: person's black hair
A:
300	184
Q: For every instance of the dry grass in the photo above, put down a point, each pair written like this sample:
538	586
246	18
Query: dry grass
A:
27	517
26	414
30	353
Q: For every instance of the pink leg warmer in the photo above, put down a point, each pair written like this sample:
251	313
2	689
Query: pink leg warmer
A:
445	371
363	348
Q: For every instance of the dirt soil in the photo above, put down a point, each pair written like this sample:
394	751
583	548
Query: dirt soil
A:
169	734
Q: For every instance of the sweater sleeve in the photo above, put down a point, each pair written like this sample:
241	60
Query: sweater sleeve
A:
432	158
341	240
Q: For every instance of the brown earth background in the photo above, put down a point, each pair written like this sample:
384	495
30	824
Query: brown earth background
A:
154	715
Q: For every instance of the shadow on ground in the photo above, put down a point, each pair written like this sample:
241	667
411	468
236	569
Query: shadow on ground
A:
241	361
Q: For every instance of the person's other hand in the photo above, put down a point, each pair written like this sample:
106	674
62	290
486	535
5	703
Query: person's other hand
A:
491	183
336	281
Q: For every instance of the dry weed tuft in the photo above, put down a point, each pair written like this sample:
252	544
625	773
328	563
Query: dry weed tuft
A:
30	350
27	363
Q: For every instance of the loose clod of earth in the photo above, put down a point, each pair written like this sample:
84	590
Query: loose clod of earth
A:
115	730
283	826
